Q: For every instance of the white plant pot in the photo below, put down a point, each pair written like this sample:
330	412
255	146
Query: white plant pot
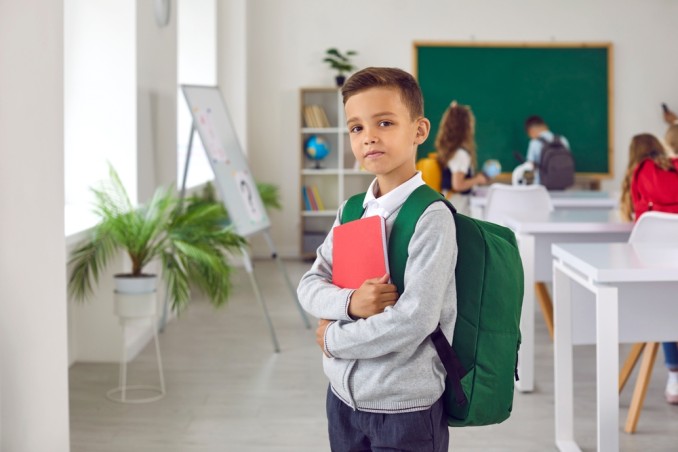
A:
135	296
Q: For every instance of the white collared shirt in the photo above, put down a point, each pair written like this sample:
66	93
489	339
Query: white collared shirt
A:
385	205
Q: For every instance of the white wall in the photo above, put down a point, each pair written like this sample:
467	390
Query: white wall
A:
33	347
286	41
156	50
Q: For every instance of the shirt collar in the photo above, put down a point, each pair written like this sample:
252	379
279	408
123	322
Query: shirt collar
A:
385	205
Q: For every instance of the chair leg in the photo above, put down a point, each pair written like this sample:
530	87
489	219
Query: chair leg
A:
629	364
640	390
546	305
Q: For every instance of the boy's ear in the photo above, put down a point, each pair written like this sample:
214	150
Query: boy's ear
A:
423	129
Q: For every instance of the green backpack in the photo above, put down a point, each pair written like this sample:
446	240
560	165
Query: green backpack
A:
482	362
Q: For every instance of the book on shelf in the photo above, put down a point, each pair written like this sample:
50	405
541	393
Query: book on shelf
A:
359	252
304	194
311	198
315	117
322	116
318	199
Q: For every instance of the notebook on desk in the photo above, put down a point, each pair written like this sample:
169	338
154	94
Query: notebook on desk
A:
359	252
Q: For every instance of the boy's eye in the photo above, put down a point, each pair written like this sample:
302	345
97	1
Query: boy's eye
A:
355	129
385	123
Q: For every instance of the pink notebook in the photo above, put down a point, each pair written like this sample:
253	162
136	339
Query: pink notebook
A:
359	252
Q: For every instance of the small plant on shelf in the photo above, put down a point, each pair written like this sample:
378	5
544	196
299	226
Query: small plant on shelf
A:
341	62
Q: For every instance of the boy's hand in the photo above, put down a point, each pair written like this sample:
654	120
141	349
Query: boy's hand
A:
320	333
372	298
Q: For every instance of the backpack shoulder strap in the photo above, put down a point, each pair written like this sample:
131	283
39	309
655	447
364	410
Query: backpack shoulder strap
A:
398	244
404	226
353	209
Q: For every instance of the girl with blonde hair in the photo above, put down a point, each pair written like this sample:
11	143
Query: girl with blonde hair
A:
651	183
456	148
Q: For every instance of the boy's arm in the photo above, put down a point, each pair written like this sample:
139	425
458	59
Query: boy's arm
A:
533	151
318	296
428	275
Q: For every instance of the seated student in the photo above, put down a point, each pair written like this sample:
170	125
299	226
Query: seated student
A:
651	183
539	133
456	147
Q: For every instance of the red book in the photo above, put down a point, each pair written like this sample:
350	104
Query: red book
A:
359	252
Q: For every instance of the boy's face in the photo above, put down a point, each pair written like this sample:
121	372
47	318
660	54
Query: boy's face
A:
384	137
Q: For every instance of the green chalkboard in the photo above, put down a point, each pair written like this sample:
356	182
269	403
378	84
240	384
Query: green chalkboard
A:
568	86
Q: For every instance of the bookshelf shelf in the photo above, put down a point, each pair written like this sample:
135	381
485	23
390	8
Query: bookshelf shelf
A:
319	213
321	113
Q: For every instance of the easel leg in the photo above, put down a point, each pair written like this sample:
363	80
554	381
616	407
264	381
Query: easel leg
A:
260	299
283	270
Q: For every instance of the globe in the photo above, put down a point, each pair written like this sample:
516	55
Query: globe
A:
316	149
491	168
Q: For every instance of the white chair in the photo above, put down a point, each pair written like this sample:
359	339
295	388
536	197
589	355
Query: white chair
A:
504	200
651	227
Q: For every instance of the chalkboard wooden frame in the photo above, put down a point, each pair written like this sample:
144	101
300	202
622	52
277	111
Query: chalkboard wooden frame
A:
601	172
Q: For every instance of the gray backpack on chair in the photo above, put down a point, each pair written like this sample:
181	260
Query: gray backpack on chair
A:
556	165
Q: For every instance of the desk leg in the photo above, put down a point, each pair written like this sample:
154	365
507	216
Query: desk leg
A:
526	353
562	362
607	368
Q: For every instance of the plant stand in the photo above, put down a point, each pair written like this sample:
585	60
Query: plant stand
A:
135	309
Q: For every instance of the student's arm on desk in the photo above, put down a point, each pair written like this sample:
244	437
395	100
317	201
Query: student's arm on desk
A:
428	274
318	296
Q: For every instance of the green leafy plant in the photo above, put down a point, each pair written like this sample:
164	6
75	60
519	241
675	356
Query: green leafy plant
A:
339	61
189	240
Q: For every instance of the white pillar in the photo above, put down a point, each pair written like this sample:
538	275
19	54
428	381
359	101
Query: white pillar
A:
33	325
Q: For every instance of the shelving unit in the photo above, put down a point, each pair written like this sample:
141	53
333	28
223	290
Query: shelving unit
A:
337	179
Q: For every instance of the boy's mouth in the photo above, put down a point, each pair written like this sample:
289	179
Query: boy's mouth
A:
373	154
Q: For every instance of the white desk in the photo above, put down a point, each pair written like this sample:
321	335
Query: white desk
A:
576	199
535	234
634	288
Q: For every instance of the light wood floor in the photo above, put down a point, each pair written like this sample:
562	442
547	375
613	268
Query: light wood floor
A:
227	391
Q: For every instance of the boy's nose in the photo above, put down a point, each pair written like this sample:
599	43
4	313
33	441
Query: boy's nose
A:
370	139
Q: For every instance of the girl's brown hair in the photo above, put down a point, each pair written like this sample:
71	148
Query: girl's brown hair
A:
643	146
671	138
455	131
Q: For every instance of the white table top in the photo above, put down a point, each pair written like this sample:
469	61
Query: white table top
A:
563	199
567	221
620	262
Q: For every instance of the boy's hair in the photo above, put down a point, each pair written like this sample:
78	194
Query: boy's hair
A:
534	120
387	77
643	146
455	131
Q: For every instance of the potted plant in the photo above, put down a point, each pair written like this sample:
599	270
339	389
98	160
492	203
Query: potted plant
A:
340	62
189	240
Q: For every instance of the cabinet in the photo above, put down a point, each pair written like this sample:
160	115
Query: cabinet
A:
338	178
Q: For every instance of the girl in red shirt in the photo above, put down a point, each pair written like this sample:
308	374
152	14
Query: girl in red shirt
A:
651	183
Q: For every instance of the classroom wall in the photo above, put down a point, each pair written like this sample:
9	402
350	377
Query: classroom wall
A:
33	345
286	42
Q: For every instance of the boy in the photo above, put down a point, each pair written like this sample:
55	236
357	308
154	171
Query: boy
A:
385	376
539	132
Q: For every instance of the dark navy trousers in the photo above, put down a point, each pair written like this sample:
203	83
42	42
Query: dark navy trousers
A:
358	431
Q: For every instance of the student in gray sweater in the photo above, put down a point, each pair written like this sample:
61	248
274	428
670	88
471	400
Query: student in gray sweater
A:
386	380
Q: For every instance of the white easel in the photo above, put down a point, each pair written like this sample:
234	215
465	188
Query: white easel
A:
231	177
